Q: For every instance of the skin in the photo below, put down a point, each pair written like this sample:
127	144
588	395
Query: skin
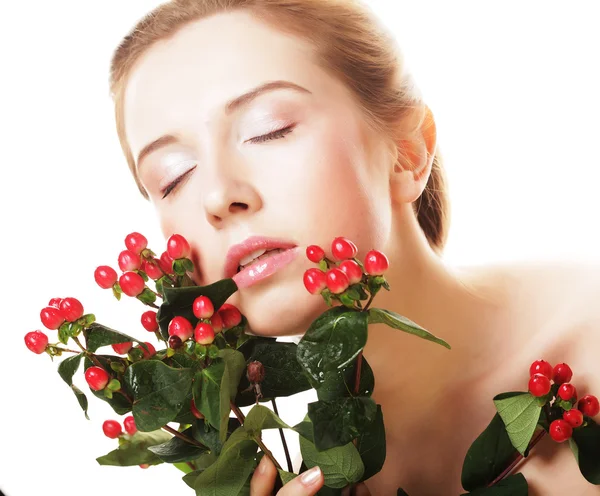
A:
331	176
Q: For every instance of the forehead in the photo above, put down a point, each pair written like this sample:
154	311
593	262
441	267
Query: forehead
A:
183	82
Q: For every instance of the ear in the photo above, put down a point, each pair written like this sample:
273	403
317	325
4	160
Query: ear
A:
415	158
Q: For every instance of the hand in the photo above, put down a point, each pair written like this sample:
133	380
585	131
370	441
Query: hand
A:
263	481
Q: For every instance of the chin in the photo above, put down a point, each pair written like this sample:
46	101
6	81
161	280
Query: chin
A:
280	308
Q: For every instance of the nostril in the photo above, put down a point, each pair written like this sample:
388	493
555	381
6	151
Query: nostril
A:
237	207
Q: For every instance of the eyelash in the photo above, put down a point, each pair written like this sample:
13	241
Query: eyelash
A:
278	134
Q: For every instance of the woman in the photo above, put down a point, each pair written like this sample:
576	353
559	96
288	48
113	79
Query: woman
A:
257	125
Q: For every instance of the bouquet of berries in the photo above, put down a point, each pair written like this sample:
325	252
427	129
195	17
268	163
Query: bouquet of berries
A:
182	395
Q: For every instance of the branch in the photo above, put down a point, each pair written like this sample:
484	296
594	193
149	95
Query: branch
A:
288	459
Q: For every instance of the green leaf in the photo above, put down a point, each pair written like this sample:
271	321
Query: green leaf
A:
119	403
82	399
586	441
117	292
514	485
520	415
98	335
396	321
234	367
63	333
188	265
135	451
208	385
260	417
337	422
209	436
147	296
332	341
341	465
68	367
488	456
159	392
177	450
229	473
284	376
178	301
340	383
202	463
371	446
286	476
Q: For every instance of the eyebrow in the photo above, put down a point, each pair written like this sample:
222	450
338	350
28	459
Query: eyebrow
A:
230	107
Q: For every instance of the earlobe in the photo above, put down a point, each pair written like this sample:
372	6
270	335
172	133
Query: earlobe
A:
415	159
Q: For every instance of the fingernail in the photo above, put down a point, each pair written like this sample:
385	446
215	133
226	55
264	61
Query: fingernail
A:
262	468
310	476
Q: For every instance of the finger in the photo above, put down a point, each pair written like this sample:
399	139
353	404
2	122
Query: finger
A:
306	484
263	479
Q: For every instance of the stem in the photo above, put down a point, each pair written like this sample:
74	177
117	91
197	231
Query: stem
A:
192	465
65	349
153	305
357	376
288	459
183	436
91	356
369	303
120	391
240	416
520	457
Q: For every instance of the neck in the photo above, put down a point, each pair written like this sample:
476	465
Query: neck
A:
445	301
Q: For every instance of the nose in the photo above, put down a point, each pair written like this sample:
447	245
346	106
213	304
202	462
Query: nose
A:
230	198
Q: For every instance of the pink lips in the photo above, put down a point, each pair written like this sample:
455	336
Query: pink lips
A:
260	269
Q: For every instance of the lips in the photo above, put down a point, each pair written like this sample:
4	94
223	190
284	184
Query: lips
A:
240	252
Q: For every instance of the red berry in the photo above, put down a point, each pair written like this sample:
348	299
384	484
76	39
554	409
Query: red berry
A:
230	316
144	465
352	270
573	417
178	247
129	261
216	322
51	318
315	281
71	309
151	350
255	371
376	263
541	367
131	283
136	242
152	269
129	424
589	405
122	348
181	327
562	373
539	385
149	321
55	302
175	342
337	281
203	307
204	333
342	248
567	391
36	341
560	430
315	253
112	429
97	378
166	263
195	412
105	276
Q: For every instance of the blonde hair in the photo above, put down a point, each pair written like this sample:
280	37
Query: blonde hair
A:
350	44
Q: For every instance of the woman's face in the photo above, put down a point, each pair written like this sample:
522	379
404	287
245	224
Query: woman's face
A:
221	180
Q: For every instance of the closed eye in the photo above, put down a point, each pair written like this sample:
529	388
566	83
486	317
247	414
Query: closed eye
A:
280	133
173	184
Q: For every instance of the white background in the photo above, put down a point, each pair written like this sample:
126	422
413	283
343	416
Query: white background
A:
513	86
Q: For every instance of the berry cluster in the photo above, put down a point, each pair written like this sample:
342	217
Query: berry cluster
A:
564	394
139	264
209	323
112	428
346	279
62	314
